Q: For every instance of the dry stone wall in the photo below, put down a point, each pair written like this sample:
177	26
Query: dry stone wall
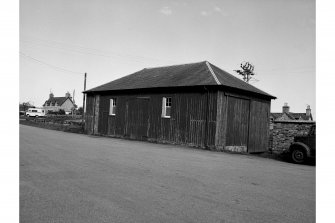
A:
282	133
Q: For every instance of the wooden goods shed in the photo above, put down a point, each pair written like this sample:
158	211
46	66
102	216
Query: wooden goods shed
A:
194	104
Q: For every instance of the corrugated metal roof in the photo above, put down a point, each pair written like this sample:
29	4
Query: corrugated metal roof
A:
193	74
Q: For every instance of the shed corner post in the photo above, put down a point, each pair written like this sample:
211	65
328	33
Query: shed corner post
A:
220	127
96	114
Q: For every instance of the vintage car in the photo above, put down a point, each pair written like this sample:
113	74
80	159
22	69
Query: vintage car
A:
302	148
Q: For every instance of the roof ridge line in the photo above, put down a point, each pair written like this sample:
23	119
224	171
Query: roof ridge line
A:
173	65
213	74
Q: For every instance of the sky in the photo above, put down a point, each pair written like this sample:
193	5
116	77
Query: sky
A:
107	39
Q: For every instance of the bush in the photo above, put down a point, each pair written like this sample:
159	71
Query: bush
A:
59	112
79	111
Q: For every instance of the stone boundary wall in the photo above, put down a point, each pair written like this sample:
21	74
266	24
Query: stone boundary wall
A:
282	133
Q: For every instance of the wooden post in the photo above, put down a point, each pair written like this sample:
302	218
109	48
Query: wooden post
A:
84	96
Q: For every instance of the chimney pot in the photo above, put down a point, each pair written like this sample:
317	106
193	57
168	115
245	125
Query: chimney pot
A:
308	111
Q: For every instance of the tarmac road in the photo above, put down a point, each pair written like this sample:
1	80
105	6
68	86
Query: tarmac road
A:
66	177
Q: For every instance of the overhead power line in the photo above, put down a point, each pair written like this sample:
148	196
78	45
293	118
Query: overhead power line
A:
90	51
49	65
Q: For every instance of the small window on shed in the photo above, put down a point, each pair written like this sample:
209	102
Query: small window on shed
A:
112	106
166	107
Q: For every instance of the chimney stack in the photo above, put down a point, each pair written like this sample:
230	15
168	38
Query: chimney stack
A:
68	95
308	111
51	95
286	108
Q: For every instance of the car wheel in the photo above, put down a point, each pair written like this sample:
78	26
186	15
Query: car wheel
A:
298	155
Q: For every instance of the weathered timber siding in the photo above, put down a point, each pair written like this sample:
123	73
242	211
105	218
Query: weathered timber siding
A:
259	126
237	122
204	118
138	116
96	113
221	121
103	111
242	122
89	114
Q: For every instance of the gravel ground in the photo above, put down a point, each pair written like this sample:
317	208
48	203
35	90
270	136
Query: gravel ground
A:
66	177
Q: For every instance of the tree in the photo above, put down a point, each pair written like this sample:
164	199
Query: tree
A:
80	111
25	106
247	71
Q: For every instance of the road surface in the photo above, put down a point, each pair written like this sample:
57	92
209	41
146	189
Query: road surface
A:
66	177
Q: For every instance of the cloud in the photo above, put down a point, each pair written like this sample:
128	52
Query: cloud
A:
166	10
204	13
211	11
217	9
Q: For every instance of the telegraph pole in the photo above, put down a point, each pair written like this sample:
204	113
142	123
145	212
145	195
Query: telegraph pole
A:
84	96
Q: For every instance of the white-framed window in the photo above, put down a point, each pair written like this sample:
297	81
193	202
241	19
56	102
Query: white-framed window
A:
112	106
166	107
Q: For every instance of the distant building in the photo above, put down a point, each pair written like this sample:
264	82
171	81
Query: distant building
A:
286	115
56	103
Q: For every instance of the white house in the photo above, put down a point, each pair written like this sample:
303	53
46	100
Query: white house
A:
57	103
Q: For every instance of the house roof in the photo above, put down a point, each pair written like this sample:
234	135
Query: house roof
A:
276	115
302	116
193	74
59	100
292	116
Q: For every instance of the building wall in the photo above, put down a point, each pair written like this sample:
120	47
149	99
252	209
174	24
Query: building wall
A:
67	105
283	133
89	114
208	119
51	108
259	125
242	123
139	116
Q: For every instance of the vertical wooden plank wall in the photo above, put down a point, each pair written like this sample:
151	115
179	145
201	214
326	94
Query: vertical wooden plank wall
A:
192	121
89	114
204	119
237	122
259	126
242	121
96	113
221	121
